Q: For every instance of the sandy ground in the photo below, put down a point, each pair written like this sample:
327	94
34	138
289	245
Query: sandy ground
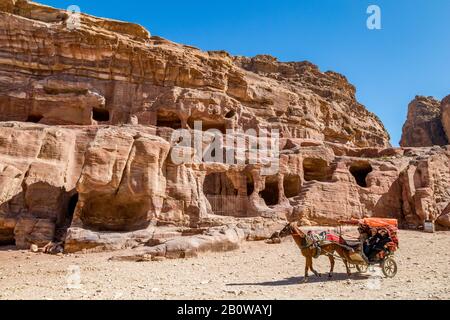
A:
256	271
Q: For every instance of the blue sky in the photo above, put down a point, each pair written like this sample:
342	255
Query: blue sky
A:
410	56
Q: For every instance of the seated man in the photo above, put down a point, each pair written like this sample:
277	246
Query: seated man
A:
370	242
379	244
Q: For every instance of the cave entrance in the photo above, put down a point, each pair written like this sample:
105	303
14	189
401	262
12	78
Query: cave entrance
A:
100	115
73	201
34	118
292	185
66	220
222	196
316	170
218	184
7	238
208	124
230	114
250	184
360	171
271	192
168	120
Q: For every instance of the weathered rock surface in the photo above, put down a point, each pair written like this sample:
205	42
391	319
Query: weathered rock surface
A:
445	115
423	127
86	119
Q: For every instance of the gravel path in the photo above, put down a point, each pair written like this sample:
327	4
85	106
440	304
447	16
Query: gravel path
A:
256	271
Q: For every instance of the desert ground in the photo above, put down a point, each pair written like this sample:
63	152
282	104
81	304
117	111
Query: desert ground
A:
255	271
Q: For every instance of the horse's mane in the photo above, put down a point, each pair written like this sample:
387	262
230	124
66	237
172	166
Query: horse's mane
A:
294	225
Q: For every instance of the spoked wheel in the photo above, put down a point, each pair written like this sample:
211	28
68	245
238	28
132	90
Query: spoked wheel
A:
362	268
389	267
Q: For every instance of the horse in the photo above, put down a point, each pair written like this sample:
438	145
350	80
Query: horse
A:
310	252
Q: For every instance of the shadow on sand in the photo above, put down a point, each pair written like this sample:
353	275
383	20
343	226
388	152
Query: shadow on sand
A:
300	280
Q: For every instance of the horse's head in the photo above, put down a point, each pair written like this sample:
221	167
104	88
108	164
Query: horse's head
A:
288	230
291	229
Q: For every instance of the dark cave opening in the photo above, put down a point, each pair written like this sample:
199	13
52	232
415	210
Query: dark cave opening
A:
360	171
100	115
271	192
34	118
250	184
73	201
7	238
230	114
168	120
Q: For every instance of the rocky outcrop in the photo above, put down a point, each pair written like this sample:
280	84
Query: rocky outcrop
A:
423	127
116	73
91	123
445	115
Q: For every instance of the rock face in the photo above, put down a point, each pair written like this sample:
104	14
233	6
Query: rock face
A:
428	123
90	137
445	115
423	128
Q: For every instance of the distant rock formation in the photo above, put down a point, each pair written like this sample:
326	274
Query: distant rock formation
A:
423	127
86	118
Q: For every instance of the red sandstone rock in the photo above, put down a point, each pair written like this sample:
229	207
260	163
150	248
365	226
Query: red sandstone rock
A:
86	118
423	128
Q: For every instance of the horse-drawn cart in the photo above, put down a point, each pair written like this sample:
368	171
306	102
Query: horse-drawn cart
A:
377	237
385	257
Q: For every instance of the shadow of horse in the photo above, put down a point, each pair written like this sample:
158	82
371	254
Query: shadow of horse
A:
300	280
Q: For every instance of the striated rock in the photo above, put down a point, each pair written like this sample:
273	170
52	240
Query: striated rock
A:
114	72
89	121
445	115
423	128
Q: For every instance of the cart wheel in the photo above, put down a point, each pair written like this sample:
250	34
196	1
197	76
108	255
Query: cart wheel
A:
389	267
362	268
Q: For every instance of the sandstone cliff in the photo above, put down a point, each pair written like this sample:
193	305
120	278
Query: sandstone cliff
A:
423	127
86	118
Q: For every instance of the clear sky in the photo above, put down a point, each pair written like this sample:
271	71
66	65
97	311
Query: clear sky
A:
409	56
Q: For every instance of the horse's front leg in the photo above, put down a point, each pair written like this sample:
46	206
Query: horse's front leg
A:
332	263
347	267
305	279
312	269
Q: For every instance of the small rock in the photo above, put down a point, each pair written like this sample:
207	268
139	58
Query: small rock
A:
158	258
34	248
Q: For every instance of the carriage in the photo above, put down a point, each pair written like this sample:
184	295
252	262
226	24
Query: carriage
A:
385	259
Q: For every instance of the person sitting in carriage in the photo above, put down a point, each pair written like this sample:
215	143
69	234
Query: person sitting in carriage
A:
377	242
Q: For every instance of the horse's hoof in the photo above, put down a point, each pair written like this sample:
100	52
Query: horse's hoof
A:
330	275
319	275
305	280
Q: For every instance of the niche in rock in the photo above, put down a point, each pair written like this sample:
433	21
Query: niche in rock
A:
168	120
207	124
218	184
271	192
291	185
360	171
100	115
315	169
250	184
34	118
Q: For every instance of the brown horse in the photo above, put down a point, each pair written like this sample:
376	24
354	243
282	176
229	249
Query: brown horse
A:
309	252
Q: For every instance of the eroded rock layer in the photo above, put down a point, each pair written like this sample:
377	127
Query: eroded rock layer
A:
87	117
424	125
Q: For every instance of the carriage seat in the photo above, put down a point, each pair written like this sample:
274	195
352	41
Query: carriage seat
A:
354	244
